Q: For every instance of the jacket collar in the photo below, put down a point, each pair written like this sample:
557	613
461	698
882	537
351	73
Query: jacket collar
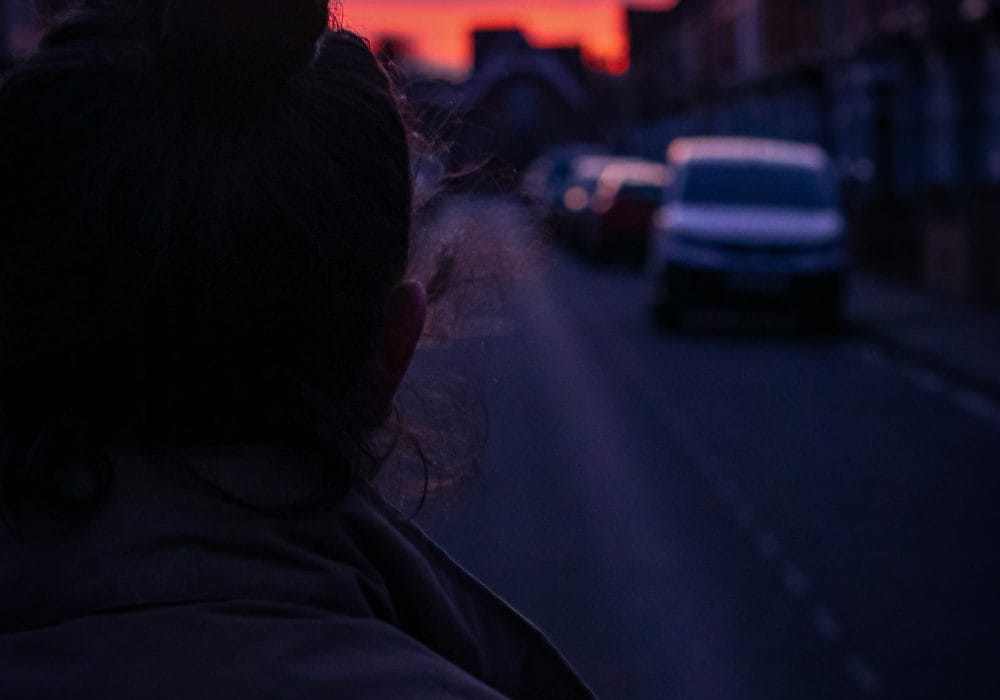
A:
270	523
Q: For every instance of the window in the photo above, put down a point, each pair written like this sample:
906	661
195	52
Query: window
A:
756	184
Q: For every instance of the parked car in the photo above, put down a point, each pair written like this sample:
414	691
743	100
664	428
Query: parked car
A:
620	209
544	181
748	222
571	207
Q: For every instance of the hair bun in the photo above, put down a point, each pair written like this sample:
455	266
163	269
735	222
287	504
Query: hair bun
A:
236	43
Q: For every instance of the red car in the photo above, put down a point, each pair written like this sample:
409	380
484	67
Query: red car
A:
620	209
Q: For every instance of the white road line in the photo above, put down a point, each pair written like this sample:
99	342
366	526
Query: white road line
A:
795	581
826	624
976	404
767	545
871	354
863	676
714	472
924	379
931	382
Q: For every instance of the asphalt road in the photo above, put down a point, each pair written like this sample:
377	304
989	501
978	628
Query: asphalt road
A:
738	511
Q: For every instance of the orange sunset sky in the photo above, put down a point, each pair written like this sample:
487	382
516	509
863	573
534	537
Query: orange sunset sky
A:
438	29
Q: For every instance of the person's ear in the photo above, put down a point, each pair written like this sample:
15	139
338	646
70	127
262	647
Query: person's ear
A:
404	324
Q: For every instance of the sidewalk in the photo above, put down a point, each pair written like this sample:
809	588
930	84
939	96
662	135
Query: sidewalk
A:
955	338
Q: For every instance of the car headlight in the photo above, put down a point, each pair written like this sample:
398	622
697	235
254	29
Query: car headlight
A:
576	199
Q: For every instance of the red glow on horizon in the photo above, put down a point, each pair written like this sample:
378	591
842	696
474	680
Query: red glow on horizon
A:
439	30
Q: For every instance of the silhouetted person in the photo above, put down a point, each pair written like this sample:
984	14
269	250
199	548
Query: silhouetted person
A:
203	321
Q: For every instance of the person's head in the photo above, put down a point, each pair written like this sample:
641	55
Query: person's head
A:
205	230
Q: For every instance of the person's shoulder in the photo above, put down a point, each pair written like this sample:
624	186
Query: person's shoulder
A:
231	649
457	615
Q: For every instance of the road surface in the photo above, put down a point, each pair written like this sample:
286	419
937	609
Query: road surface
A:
735	511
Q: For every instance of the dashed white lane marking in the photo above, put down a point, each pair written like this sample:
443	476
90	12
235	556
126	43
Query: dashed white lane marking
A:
716	475
795	581
863	676
930	382
976	404
826	624
924	379
870	353
767	545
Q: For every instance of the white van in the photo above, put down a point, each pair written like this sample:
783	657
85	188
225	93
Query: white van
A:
747	222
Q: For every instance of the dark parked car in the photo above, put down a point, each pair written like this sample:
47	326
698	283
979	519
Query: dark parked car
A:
620	209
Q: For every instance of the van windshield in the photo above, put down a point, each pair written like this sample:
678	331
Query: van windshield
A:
756	184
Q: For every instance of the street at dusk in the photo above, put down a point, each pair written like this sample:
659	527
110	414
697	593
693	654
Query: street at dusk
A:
675	323
737	510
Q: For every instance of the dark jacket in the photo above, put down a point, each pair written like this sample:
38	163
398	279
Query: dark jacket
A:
236	574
